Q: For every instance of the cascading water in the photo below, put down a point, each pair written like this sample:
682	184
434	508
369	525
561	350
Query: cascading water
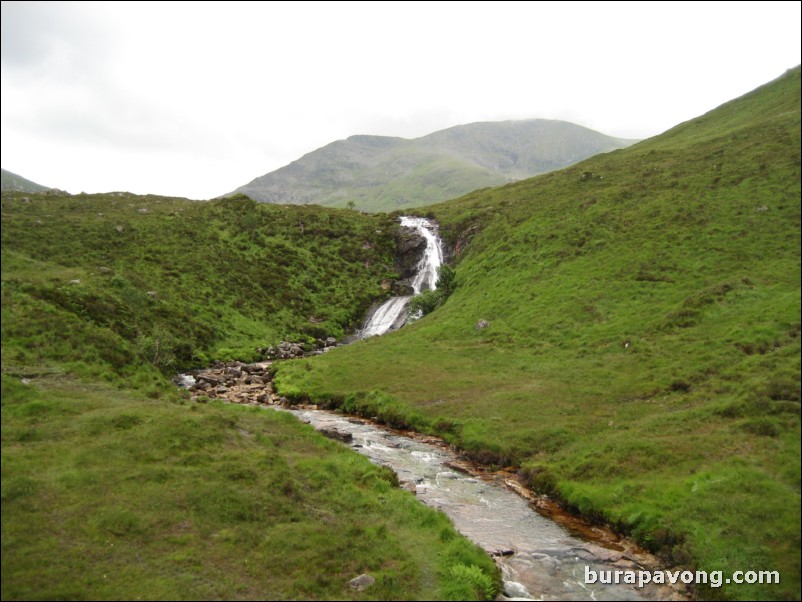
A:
393	313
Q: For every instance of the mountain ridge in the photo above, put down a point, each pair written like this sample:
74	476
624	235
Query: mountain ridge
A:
386	173
15	182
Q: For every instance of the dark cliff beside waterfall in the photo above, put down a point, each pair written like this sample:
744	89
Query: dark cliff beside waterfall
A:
418	239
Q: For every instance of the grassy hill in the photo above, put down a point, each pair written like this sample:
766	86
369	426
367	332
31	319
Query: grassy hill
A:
642	358
118	273
380	173
114	486
11	181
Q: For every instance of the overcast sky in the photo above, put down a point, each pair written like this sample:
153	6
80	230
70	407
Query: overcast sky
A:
197	98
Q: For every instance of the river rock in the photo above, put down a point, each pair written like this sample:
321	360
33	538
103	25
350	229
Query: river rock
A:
287	350
337	435
361	583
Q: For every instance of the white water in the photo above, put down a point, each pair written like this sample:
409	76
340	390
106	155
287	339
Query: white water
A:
546	562
393	313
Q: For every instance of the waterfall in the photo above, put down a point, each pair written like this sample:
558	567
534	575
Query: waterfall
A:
392	314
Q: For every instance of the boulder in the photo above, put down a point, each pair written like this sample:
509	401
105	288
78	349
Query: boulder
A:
361	583
337	435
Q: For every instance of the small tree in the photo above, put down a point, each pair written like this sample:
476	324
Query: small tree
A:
428	301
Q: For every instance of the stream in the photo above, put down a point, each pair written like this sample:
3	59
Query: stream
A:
539	559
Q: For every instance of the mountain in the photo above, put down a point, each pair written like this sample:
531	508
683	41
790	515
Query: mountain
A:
11	181
624	332
380	173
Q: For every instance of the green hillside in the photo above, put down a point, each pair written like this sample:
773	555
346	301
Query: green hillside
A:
206	280
380	173
11	181
642	358
114	486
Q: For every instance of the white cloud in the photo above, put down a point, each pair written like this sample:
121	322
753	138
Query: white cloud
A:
195	99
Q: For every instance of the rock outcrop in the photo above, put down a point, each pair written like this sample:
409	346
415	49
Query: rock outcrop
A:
234	382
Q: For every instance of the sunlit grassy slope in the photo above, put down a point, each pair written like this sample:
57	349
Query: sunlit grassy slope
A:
642	360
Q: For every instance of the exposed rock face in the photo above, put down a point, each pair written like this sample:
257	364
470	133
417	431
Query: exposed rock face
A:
403	288
411	247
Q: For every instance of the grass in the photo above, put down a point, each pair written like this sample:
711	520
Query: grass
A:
114	487
109	495
641	362
642	359
116	282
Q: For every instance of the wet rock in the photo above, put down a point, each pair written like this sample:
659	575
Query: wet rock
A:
337	435
402	288
287	350
410	248
361	583
515	590
409	486
457	466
